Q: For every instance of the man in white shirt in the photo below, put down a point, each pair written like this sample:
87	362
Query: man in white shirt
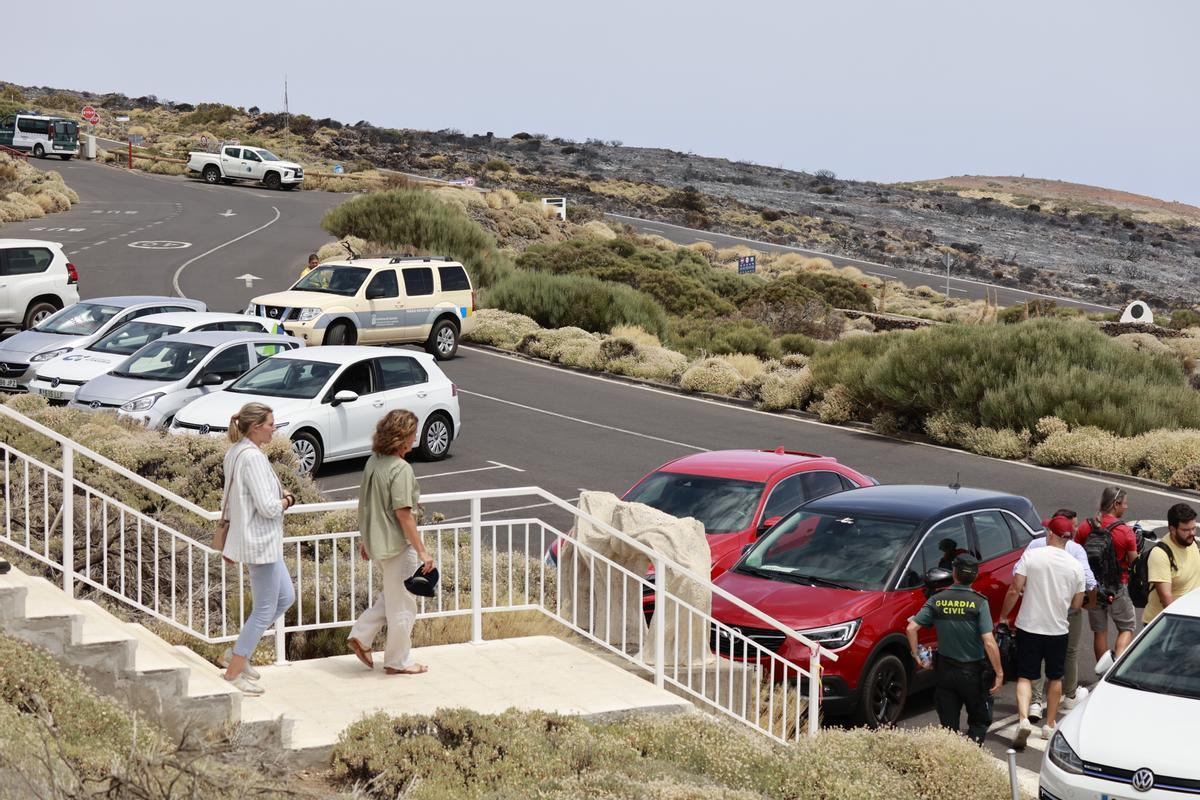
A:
1063	523
1051	583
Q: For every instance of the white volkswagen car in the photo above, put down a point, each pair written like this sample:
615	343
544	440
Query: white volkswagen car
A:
167	374
328	400
1135	736
58	379
77	325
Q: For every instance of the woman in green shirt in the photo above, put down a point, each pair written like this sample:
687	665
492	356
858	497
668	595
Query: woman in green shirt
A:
387	499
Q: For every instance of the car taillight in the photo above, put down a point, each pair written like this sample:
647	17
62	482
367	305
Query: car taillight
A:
72	273
454	390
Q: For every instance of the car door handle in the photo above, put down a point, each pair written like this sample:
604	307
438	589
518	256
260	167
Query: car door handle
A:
378	404
422	394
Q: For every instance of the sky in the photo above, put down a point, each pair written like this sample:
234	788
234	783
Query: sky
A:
1089	91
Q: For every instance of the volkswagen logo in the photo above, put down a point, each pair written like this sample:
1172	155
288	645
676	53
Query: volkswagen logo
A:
55	382
1143	780
204	429
95	404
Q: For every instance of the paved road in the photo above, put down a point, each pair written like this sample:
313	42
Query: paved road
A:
137	233
959	287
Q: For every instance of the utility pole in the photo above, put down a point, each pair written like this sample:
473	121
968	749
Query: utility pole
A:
287	125
947	259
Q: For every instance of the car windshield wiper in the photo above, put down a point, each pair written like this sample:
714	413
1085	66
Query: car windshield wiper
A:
762	573
815	581
1129	683
117	374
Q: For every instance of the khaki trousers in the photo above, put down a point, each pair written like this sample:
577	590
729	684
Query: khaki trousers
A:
1071	671
394	607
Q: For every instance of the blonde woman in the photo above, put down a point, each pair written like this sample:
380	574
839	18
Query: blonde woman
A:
255	502
387	499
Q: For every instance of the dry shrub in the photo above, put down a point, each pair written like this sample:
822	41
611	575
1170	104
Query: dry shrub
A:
16	207
862	324
647	361
748	366
1086	446
1048	426
582	353
334	251
836	406
501	328
785	388
502	198
597	230
851	333
636	334
886	423
713	375
550	343
1186	477
29	193
1143	343
705	249
996	443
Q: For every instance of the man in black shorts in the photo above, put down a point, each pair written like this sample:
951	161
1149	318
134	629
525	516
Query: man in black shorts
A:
1052	583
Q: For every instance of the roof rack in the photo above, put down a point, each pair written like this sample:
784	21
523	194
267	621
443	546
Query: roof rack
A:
396	259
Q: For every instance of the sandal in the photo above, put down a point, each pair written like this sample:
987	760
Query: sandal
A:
415	669
364	655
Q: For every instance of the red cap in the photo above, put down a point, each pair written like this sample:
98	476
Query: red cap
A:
1060	526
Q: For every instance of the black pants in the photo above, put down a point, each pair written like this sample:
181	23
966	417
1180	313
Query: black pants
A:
959	684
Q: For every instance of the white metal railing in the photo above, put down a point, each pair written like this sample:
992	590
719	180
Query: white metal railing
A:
147	565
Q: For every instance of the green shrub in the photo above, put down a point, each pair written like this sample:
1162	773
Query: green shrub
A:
207	114
798	343
497	165
724	336
557	301
1182	318
836	290
413	218
1010	376
786	305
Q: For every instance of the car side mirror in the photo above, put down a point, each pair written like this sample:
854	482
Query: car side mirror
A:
211	379
375	292
937	579
768	523
1104	663
344	396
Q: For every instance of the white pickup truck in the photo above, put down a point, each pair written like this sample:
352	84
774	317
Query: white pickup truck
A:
239	163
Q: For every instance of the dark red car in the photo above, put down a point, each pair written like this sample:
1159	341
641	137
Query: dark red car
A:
848	570
738	494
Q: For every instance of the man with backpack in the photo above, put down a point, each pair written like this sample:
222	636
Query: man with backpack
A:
1111	548
1172	566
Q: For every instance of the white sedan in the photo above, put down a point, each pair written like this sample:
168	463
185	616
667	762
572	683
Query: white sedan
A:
1135	736
328	400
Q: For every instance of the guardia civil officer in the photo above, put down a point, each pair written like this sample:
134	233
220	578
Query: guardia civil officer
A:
965	646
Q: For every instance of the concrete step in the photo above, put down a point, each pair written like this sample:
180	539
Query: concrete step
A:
258	722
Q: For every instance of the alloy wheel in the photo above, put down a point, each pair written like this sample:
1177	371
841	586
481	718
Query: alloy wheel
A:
306	453
437	437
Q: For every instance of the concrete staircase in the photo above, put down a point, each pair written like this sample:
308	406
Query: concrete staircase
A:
126	661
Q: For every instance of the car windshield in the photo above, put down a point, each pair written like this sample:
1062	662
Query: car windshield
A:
80	319
333	280
285	377
130	337
846	551
1165	660
267	155
723	505
162	361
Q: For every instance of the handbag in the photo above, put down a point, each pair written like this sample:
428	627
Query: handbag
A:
222	531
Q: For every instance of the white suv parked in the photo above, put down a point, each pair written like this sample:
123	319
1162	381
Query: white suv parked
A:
35	281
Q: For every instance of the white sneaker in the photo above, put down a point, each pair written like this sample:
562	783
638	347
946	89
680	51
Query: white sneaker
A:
1081	692
246	687
1023	731
249	671
1035	712
1047	731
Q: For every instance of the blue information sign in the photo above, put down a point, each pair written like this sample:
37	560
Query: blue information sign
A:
747	264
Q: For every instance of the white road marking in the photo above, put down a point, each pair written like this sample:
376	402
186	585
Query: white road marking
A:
503	510
585	421
1023	464
435	475
189	262
506	466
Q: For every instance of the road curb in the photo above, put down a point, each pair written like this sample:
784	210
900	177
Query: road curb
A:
912	438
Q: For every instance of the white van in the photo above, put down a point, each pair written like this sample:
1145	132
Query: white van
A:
41	135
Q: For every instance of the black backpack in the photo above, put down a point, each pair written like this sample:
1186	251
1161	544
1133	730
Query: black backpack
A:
1102	558
1139	574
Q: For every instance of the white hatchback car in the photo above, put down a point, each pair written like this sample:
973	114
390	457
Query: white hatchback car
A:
1135	734
328	400
167	374
36	279
58	379
75	326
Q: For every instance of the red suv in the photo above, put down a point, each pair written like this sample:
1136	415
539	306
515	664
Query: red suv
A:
848	570
738	494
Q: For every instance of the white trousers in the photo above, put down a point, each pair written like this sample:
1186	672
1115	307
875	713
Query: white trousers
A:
394	607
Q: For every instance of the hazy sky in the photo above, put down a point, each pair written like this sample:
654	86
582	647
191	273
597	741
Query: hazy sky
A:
1091	91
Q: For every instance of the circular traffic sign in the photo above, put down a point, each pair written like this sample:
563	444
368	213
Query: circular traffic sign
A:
88	111
160	245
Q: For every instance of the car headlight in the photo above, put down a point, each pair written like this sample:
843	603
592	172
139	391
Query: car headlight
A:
142	403
833	636
308	314
1062	756
251	310
49	354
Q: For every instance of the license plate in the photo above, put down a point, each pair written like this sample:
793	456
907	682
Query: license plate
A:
54	394
8	383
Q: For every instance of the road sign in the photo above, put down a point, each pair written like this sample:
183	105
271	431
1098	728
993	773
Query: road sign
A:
337	169
136	138
121	119
89	112
747	264
203	141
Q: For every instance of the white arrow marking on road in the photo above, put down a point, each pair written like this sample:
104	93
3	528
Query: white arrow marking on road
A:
229	212
249	279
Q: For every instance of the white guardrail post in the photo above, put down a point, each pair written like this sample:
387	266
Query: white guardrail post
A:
476	571
660	623
814	690
280	643
68	519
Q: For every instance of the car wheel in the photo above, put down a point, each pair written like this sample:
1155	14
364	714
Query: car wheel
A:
39	151
271	181
436	438
308	452
884	691
340	333
37	312
443	341
212	174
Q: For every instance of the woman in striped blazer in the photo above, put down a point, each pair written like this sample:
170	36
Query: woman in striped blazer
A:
255	502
